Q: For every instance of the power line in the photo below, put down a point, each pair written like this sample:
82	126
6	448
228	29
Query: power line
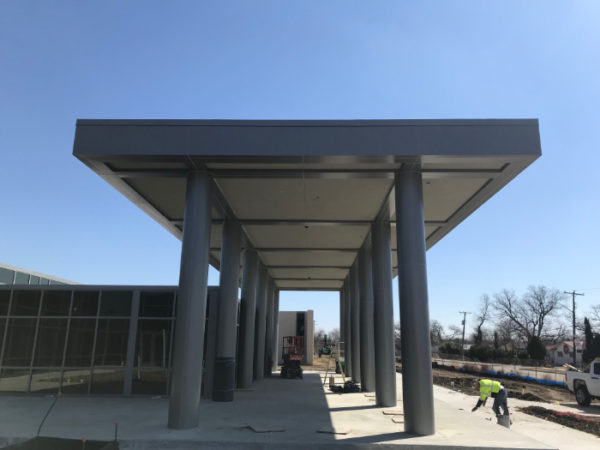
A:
574	294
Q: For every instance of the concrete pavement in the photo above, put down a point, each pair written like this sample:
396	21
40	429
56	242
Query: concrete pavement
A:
292	414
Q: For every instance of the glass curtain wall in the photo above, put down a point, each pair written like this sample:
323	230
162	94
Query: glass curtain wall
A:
76	340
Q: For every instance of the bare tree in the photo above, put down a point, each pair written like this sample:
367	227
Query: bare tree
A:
594	316
532	313
436	333
334	336
454	333
481	317
505	332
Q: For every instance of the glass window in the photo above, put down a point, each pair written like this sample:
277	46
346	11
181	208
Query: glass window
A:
597	368
44	281
6	276
25	303
150	382
50	343
4	301
107	381
115	303
45	381
19	342
34	280
22	278
56	303
80	343
111	343
156	304
153	342
75	381
2	327
85	303
14	380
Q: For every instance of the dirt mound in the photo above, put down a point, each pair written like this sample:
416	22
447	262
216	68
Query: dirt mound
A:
527	396
576	421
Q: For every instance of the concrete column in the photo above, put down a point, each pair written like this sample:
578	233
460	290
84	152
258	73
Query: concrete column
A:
269	331
383	311
276	340
247	318
367	337
417	384
261	324
186	378
228	308
355	321
348	327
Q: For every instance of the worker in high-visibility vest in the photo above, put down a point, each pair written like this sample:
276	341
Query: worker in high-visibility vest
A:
492	388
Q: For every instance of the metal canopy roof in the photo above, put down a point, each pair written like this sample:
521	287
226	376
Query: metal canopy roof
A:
305	192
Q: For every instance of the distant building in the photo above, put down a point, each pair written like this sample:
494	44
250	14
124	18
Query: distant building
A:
562	353
16	275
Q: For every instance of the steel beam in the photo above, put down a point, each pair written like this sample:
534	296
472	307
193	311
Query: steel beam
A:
307	173
417	382
228	308
383	311
186	379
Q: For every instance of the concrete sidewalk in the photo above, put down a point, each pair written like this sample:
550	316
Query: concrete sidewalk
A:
290	414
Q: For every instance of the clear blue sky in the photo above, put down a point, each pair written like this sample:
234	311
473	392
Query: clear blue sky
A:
63	60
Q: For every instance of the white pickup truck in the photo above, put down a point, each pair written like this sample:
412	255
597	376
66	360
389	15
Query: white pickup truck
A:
585	385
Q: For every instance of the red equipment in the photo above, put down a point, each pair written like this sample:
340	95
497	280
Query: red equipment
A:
292	355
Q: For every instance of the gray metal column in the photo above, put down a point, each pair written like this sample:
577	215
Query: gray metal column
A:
131	343
261	324
342	317
186	378
269	330
229	274
247	318
348	327
367	337
355	323
417	384
276	339
383	311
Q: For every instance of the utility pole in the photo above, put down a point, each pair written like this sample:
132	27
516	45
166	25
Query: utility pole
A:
464	322
573	293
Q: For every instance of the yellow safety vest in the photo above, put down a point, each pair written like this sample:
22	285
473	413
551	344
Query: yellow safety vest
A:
487	387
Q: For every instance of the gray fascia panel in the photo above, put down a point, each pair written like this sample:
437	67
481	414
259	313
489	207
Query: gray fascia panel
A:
97	138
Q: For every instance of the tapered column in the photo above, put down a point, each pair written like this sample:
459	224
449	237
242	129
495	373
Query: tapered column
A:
276	339
186	378
261	324
247	318
355	323
228	297
269	330
348	327
367	339
383	311
417	385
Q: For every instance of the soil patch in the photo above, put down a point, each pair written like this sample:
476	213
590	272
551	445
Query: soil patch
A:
575	421
467	383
